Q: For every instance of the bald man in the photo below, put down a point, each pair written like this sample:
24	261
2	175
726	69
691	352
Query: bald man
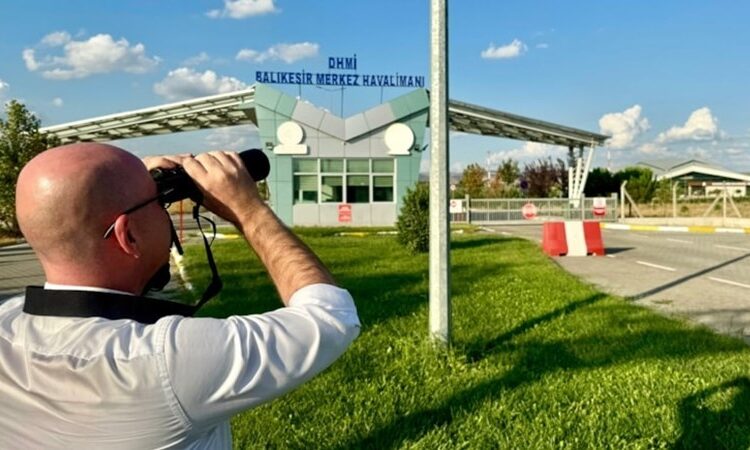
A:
82	379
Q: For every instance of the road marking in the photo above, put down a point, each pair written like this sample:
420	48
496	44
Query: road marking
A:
743	249
614	226
679	240
730	230
644	227
733	283
610	256
674	229
656	266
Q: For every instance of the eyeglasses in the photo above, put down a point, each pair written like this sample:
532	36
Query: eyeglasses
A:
133	209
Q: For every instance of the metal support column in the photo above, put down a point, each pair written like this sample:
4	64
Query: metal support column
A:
440	311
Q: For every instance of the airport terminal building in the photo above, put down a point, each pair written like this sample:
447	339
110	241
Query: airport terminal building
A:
327	170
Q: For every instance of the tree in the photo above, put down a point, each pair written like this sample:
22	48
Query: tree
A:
413	222
508	171
601	183
20	141
641	184
504	183
545	178
473	181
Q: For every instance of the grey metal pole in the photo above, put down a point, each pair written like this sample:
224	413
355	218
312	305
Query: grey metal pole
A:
440	310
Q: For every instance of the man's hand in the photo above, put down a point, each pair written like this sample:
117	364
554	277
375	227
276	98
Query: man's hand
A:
165	161
228	188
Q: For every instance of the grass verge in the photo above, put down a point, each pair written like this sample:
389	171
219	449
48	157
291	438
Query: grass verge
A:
539	360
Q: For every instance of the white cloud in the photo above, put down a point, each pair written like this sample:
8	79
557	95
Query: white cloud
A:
57	101
455	167
512	50
624	127
527	152
653	149
56	39
200	58
29	59
247	54
241	9
424	165
288	53
4	88
80	59
700	153
236	138
700	126
185	83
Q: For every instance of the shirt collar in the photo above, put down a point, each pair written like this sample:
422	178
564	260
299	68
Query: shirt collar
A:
71	287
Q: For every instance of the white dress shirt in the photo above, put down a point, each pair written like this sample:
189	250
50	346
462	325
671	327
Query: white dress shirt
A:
71	382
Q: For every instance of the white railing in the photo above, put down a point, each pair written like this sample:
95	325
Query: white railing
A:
530	210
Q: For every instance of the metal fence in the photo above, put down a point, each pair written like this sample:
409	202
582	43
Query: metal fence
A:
529	210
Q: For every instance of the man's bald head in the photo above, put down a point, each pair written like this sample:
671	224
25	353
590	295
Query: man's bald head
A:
66	196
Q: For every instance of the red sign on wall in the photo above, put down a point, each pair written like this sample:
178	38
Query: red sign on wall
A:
600	206
528	211
345	212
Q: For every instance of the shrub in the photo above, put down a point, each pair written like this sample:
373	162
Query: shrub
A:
413	222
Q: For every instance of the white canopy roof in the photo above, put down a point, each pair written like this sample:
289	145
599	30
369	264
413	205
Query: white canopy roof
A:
237	108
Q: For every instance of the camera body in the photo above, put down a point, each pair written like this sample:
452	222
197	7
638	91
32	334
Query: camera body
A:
175	184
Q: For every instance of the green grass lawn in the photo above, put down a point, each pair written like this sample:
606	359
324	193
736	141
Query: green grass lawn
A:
539	360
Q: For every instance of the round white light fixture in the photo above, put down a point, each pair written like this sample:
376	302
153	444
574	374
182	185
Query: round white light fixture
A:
399	139
290	133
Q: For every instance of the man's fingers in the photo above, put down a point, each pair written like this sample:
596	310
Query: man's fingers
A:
194	167
220	159
165	161
153	162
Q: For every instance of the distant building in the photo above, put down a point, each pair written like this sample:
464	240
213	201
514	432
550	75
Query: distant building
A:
702	179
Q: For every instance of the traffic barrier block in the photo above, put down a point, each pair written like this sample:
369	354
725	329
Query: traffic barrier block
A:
572	238
553	238
593	234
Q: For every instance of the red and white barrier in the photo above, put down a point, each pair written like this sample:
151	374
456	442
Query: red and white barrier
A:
572	238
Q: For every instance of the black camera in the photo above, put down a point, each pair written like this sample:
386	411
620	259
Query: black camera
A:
174	185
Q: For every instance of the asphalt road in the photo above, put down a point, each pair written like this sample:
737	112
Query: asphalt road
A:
703	277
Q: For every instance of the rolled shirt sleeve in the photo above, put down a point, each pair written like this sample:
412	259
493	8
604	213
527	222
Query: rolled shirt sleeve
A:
219	367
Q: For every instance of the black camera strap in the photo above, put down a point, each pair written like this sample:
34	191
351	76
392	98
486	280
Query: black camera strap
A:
47	302
216	284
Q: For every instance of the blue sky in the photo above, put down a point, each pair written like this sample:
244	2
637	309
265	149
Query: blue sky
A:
666	79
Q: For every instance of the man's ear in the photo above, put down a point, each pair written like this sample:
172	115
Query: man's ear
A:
124	237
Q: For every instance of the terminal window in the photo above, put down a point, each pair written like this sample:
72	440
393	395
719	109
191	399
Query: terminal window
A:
338	180
331	189
305	181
